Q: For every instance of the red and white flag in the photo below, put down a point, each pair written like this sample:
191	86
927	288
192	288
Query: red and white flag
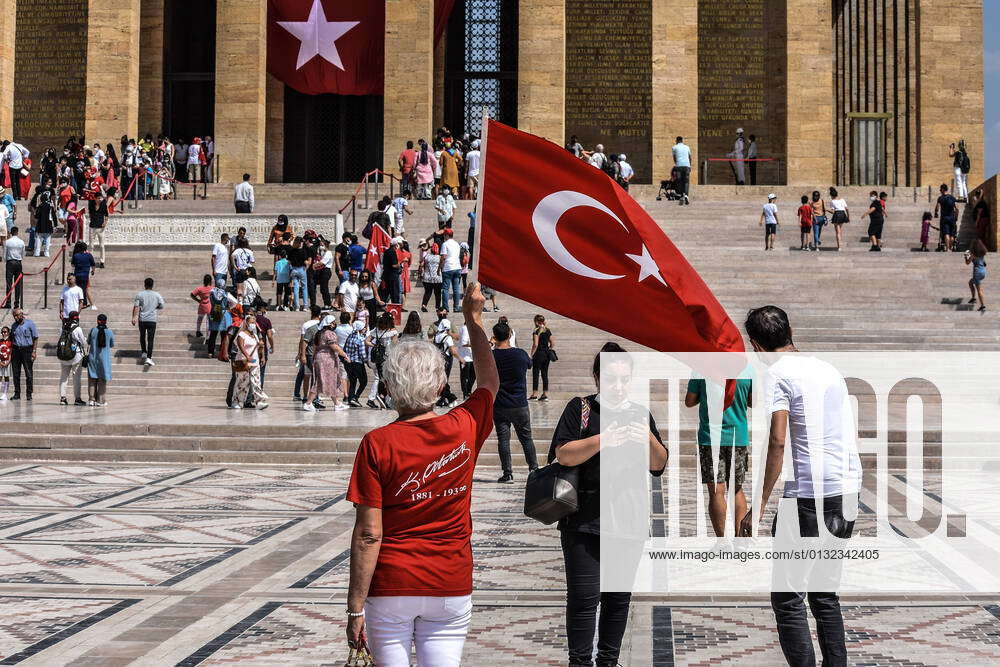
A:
376	246
585	249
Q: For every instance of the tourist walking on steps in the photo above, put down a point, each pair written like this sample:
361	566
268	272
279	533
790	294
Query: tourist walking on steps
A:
327	359
70	350
71	298
24	336
445	342
426	167
411	565
819	219
976	255
357	357
841	216
6	355
219	318
200	295
13	255
962	166
246	365
925	230
467	373
380	340
144	311
876	221
83	269
543	352
805	223
804	394
100	342
577	441
947	208
682	163
430	274
769	221
220	259
510	408
451	270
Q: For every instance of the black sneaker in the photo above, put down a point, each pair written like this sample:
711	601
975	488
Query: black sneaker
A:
318	405
80	401
506	478
63	400
354	403
29	397
373	405
15	397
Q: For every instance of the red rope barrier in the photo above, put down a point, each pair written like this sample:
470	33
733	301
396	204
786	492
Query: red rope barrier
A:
20	276
392	177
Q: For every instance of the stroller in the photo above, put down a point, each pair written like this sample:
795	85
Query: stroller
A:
670	188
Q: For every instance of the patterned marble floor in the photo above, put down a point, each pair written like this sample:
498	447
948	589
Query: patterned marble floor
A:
161	565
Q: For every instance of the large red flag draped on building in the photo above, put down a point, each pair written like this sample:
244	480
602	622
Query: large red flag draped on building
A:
327	46
561	234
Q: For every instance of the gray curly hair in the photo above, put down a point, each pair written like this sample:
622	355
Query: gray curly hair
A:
413	373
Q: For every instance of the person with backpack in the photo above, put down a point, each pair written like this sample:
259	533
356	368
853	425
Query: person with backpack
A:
69	351
445	343
219	318
962	165
380	340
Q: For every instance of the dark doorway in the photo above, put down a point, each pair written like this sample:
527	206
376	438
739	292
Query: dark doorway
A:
331	138
481	64
189	68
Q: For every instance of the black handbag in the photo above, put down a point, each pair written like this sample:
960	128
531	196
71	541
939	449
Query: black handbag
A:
552	355
552	491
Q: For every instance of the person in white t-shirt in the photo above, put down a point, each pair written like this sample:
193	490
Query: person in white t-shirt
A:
769	220
472	162
807	402
220	259
451	270
194	161
72	297
467	374
347	293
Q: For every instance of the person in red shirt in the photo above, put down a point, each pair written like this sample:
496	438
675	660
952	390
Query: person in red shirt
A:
411	551
200	296
407	160
805	223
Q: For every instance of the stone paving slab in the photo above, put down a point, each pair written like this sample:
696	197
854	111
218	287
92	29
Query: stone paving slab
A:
161	565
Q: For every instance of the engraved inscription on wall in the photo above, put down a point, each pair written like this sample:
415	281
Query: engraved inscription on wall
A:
742	83
50	78
609	84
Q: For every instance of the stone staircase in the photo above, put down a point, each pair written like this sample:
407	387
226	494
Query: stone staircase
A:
849	300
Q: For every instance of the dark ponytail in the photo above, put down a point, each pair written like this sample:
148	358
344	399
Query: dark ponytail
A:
607	347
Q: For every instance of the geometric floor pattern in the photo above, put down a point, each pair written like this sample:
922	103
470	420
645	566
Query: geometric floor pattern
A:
208	565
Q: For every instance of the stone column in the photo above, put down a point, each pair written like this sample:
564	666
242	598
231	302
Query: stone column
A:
541	69
240	88
8	21
274	170
112	70
675	83
439	54
810	127
409	76
151	67
951	87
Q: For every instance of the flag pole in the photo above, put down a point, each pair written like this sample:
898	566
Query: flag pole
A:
474	272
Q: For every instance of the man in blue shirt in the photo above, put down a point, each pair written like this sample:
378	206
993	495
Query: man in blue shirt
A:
510	407
357	254
24	335
682	161
734	441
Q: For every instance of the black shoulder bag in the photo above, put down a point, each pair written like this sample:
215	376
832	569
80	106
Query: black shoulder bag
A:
552	491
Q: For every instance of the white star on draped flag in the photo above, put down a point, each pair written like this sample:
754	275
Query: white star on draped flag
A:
647	265
318	36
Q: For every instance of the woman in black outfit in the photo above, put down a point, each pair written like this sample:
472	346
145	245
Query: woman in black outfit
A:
577	442
541	344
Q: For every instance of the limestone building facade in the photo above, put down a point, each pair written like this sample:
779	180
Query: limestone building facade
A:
834	91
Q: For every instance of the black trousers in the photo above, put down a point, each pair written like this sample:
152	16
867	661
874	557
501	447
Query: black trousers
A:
147	332
243	207
540	367
321	279
789	608
12	272
21	358
582	558
447	396
520	419
210	343
467	378
753	172
683	179
357	378
435	289
395	287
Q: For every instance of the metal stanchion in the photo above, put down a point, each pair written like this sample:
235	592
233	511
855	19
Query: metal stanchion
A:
366	191
45	288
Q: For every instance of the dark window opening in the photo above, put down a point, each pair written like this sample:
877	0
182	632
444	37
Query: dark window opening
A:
189	69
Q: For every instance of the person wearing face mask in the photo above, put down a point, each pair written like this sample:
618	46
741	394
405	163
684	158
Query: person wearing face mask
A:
876	220
445	207
576	441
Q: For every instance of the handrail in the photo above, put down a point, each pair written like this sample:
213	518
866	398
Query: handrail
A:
20	279
364	184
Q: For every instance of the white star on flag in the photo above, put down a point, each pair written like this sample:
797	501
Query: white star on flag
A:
318	36
647	266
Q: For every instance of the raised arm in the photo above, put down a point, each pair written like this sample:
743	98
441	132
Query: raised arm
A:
482	356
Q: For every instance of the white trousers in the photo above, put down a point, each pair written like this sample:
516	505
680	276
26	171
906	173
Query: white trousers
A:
70	371
437	626
961	184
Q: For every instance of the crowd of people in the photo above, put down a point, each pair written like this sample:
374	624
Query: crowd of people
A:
447	163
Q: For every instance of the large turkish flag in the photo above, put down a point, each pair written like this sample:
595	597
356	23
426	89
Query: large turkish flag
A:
561	234
328	46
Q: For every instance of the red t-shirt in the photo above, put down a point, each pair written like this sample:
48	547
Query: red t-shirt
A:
408	158
65	195
201	293
420	474
5	350
805	215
